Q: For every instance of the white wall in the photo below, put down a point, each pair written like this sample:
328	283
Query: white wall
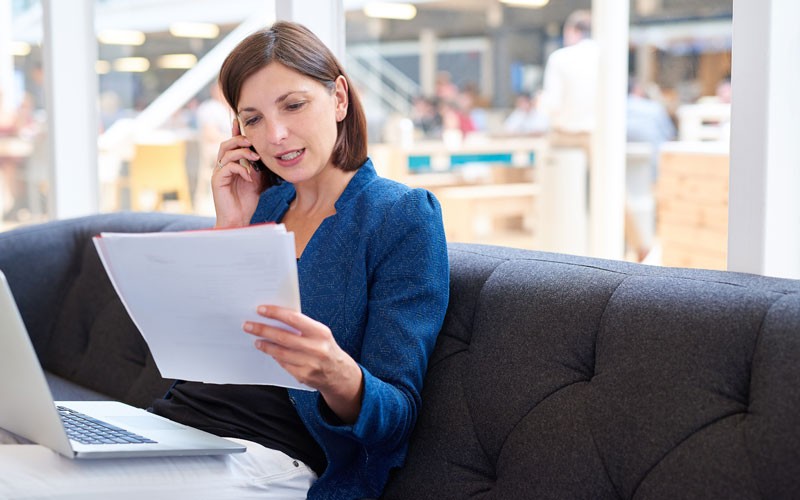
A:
764	213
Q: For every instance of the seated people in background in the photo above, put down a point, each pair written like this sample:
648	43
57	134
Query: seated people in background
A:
475	106
648	121
525	119
213	126
445	89
455	118
11	122
426	118
723	90
373	272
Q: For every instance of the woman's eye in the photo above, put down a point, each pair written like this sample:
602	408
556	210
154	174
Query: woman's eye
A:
251	121
295	105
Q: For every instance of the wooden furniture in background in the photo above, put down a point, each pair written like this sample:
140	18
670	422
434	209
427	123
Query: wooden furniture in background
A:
158	179
487	189
692	199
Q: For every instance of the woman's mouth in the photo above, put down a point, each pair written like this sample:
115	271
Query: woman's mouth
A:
291	155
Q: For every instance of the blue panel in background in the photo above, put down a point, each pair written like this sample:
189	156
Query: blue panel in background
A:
491	158
420	163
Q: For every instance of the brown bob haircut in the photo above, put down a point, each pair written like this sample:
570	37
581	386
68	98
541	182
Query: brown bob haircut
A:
297	48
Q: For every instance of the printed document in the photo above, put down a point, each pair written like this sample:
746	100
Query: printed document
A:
190	292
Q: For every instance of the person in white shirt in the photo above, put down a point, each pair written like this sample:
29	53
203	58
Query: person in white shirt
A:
569	91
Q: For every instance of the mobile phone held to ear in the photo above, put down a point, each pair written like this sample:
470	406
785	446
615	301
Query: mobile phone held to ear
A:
257	165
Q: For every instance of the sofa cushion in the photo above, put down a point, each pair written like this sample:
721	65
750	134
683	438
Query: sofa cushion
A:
78	326
566	377
95	344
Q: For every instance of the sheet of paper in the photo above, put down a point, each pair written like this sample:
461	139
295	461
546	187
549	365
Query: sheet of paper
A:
190	292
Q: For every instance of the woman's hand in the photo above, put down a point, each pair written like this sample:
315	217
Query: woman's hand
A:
235	187
313	357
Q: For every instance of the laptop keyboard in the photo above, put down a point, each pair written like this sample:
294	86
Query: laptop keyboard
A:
87	430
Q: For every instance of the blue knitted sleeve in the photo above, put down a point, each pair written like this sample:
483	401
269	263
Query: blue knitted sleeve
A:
407	300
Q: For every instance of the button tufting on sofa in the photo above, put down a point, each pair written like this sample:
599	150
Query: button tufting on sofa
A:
554	376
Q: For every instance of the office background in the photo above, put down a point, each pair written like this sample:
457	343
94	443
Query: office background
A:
141	96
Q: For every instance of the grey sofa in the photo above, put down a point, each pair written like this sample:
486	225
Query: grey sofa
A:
554	376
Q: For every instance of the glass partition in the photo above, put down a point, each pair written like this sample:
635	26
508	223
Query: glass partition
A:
458	106
159	161
25	179
454	96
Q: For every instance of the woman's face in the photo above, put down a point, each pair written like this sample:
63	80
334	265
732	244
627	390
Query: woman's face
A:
291	120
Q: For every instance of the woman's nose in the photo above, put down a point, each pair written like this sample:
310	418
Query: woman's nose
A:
276	131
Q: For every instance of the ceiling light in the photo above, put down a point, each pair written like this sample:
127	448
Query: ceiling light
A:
121	37
102	67
131	64
194	30
177	61
534	4
386	10
20	49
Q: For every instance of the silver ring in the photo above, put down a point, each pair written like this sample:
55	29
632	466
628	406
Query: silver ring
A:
219	165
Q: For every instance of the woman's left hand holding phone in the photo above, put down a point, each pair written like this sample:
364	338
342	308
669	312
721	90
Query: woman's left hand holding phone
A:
236	186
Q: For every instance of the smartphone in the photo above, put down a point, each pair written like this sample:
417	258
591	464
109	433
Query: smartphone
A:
257	165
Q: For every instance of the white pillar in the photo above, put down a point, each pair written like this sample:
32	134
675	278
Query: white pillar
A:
764	206
7	84
610	20
70	52
325	19
561	203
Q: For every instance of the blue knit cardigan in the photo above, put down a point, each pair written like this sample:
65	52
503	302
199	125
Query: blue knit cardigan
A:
377	274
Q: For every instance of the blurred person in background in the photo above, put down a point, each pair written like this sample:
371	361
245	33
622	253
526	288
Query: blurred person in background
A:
12	122
570	85
475	106
648	121
455	119
214	119
723	90
525	118
446	90
426	117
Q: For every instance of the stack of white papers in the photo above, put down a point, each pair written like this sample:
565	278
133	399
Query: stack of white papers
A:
190	292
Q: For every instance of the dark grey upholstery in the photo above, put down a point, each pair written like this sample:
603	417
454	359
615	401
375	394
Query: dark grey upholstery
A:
566	377
79	328
555	376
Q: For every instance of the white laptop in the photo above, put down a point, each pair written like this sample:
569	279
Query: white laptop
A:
27	409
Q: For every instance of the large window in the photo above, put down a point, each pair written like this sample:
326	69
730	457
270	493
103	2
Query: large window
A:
440	89
163	164
443	86
25	179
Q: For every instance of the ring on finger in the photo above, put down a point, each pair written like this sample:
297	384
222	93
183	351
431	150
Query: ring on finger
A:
220	165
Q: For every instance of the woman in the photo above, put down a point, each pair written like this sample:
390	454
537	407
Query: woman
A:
372	266
373	272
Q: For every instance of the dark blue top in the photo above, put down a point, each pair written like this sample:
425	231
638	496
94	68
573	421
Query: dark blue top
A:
377	274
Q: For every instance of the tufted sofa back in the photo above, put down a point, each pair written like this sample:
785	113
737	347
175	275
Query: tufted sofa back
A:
82	334
554	376
566	377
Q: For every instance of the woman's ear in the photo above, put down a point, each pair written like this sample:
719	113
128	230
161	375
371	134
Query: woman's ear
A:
341	93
